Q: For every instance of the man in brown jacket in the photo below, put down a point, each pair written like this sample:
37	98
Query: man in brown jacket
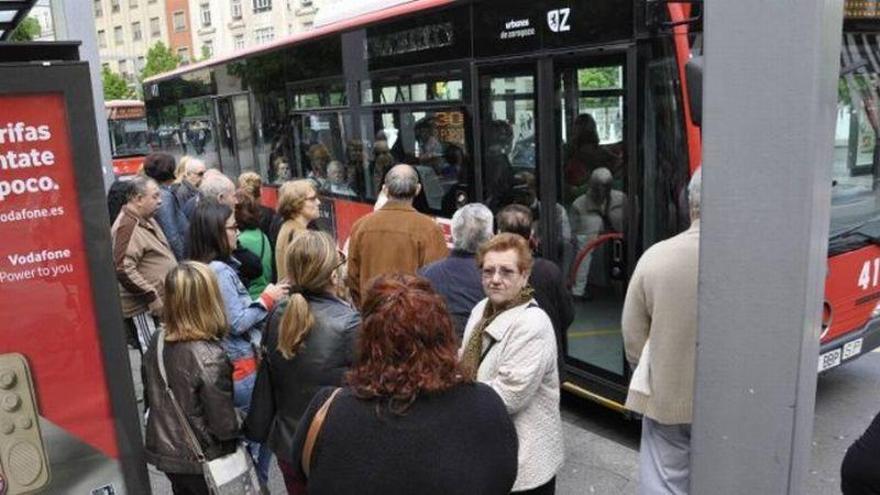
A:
142	257
395	238
660	335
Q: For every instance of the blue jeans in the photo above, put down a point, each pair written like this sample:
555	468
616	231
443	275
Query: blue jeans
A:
241	398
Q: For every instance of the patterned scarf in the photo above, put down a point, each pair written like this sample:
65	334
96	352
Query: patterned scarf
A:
472	355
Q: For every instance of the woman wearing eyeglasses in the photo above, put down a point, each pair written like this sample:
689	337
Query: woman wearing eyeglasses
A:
212	237
297	205
309	344
510	345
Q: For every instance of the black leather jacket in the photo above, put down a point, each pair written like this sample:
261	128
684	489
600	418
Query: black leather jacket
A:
322	360
201	379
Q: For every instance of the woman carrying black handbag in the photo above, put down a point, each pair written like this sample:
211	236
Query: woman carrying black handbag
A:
309	343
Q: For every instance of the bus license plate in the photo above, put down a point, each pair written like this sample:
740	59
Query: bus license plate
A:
852	349
830	359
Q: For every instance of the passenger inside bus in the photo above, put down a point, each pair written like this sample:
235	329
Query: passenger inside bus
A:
524	191
336	181
601	209
319	156
498	169
354	176
584	154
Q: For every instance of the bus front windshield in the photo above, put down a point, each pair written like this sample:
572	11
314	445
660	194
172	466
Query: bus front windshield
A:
128	137
855	196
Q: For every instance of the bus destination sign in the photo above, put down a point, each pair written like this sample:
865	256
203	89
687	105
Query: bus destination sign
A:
861	9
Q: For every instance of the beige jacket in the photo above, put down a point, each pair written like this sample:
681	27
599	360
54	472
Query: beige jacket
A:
142	257
520	365
662	302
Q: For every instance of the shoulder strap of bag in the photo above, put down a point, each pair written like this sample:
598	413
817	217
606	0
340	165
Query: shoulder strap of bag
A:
190	434
314	429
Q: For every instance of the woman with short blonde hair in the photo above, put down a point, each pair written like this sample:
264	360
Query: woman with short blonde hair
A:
199	374
309	344
251	182
298	204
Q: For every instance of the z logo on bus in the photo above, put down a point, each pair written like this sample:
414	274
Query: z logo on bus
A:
557	20
870	274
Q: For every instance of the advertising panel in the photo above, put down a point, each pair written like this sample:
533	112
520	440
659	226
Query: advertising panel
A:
58	430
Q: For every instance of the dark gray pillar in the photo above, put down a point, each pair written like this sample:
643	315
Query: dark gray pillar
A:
75	21
770	93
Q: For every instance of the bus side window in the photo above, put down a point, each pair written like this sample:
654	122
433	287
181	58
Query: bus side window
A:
434	143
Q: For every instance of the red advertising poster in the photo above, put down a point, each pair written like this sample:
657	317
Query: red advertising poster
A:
57	431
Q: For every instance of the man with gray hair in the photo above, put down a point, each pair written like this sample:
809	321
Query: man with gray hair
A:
193	172
660	335
215	186
394	238
457	277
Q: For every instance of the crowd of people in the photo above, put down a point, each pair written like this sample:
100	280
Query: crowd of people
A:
387	363
266	328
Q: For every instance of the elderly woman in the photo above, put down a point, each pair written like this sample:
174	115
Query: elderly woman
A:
298	204
409	421
509	344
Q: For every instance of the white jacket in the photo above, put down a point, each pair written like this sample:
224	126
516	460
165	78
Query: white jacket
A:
521	367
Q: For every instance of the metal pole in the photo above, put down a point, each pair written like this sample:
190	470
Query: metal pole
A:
770	94
75	21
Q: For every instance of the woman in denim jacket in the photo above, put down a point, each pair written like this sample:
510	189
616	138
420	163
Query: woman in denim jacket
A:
213	236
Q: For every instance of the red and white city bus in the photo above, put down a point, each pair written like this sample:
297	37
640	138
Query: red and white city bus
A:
500	102
127	123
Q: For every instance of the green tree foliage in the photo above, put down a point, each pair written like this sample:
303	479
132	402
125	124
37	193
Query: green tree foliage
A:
27	30
160	59
115	87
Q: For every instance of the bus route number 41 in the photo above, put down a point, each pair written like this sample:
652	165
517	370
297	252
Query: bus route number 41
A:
870	275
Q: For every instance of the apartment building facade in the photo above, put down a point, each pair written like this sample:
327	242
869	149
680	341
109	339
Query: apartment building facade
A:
180	29
224	26
126	29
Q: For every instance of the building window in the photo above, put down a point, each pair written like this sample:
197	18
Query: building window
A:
238	41
139	64
155	29
264	35
114	6
205	14
305	3
102	38
132	4
183	53
179	21
123	68
262	5
136	33
236	9
207	49
99	8
117	35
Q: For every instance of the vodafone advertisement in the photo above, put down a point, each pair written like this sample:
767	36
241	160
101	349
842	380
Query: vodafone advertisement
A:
57	428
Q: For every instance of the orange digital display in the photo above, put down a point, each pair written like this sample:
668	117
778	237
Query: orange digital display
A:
861	9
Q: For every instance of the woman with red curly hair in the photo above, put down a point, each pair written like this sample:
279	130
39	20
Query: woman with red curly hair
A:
409	421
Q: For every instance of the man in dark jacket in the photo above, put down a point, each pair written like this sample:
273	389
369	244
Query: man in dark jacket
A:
546	279
457	277
160	167
186	189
